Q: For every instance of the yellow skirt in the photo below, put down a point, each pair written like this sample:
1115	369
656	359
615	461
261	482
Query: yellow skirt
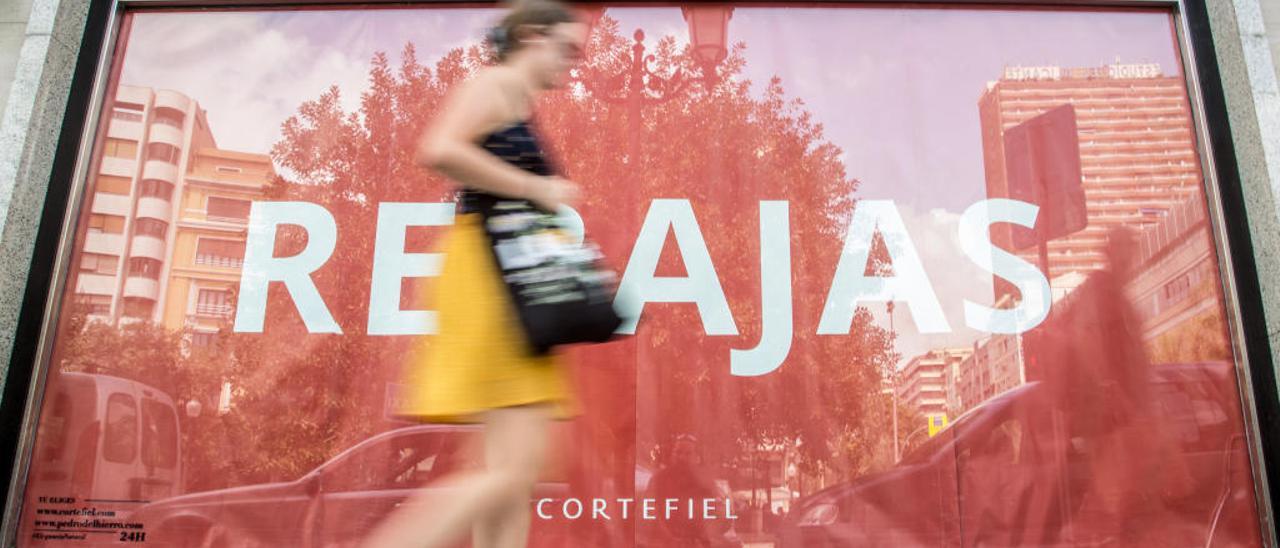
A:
479	358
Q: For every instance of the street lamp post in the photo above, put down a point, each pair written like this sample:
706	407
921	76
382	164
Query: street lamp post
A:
641	86
893	381
637	86
709	34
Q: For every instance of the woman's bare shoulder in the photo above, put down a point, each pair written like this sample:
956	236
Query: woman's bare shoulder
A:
493	78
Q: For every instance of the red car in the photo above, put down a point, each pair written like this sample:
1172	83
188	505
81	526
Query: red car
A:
333	505
1008	474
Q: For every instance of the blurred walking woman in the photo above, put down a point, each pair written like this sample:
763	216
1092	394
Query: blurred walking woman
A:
479	368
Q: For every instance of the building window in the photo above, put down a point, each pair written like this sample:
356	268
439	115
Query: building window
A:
150	227
169	117
227	208
159	434
135	307
127	115
97	263
144	267
213	302
126	106
213	252
1177	289
155	188
163	152
168	121
110	184
95	305
120	438
109	224
120	148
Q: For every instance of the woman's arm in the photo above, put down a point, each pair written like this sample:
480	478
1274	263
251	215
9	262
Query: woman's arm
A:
450	146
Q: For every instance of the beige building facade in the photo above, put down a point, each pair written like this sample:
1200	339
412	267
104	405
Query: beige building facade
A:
165	239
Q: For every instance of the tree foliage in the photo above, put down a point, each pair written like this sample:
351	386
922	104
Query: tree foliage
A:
724	145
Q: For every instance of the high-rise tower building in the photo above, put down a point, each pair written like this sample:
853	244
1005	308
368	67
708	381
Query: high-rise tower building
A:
1137	149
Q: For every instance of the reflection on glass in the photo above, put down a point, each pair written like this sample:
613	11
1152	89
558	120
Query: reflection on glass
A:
731	186
121	435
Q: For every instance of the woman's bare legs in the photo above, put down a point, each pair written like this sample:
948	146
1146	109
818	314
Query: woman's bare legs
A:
515	449
485	532
507	524
504	526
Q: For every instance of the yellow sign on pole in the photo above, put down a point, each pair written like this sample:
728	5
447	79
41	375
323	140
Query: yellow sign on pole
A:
936	424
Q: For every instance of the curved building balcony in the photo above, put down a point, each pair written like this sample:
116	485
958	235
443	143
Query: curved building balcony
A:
158	169
165	133
141	287
155	208
167	98
150	247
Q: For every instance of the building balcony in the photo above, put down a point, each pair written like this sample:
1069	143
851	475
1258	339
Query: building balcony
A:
104	243
155	208
167	98
133	94
208	310
145	288
110	204
164	171
119	167
203	259
165	133
129	130
150	247
95	284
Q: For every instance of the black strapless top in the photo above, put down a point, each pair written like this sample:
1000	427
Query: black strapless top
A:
517	145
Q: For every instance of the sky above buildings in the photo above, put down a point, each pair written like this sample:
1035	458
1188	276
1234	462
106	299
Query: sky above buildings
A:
896	89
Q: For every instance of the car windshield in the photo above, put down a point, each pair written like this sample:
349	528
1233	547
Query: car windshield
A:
944	440
929	448
396	462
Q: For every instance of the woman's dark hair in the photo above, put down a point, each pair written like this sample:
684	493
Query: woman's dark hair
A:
507	35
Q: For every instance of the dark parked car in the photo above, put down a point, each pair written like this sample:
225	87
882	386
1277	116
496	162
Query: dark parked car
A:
1007	474
333	505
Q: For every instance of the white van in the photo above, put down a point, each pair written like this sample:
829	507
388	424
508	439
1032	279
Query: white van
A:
107	440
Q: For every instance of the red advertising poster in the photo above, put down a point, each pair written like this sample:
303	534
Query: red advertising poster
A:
897	276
